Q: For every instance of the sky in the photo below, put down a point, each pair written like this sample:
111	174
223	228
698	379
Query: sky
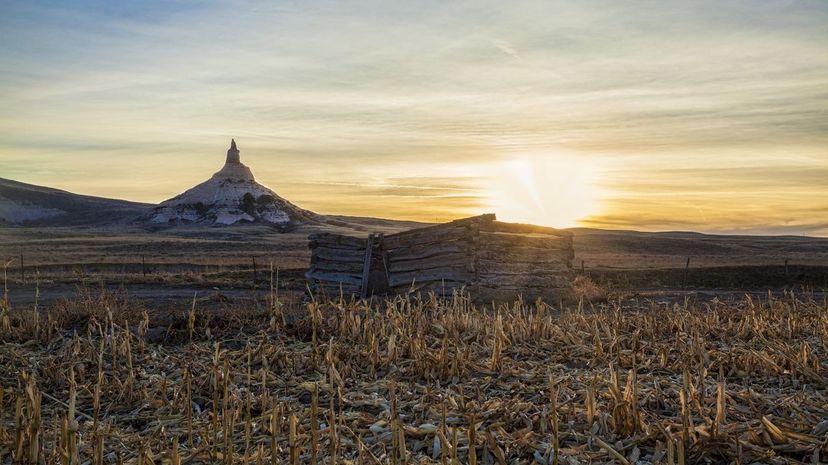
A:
650	115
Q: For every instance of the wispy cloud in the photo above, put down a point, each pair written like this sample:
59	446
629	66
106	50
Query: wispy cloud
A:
355	92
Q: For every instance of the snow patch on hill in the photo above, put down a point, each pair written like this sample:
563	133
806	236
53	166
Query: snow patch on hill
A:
21	211
24	204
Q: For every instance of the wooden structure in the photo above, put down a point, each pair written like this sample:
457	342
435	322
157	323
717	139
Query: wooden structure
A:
485	258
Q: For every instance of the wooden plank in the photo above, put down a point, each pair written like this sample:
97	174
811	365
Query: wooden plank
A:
349	255
524	255
426	238
541	241
518	228
523	268
448	274
342	267
418	252
440	261
413	235
459	225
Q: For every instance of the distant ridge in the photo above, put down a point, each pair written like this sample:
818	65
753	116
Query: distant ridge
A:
24	204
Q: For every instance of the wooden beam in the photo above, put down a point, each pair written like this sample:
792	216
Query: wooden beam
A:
459	274
366	267
541	241
336	266
459	225
426	238
524	255
518	228
420	252
356	255
439	261
539	268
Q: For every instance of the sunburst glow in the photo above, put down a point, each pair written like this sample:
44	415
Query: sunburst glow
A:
546	189
588	113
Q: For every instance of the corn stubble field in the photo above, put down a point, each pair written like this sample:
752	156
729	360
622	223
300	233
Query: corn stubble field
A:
98	380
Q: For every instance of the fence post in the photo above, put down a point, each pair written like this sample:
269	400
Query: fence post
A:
582	267
786	267
22	271
684	280
143	265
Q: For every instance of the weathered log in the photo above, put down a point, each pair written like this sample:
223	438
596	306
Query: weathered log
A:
460	225
523	268
418	252
349	255
444	274
440	261
518	228
427	240
454	230
524	254
541	241
336	266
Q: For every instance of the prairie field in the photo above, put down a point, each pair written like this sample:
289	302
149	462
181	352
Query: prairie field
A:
166	268
99	379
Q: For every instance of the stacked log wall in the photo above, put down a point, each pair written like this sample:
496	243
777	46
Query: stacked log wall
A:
527	260
478	255
336	264
437	259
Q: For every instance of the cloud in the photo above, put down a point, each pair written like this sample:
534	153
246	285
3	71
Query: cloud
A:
325	90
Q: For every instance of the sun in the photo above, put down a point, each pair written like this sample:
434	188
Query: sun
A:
549	190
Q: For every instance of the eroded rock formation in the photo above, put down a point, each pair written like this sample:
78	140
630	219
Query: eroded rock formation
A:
230	196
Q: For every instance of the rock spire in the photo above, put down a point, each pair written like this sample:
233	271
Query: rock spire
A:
233	153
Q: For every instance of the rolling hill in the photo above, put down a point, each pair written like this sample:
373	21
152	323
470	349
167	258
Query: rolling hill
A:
29	205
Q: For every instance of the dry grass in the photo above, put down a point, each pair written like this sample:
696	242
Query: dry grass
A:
584	288
425	381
